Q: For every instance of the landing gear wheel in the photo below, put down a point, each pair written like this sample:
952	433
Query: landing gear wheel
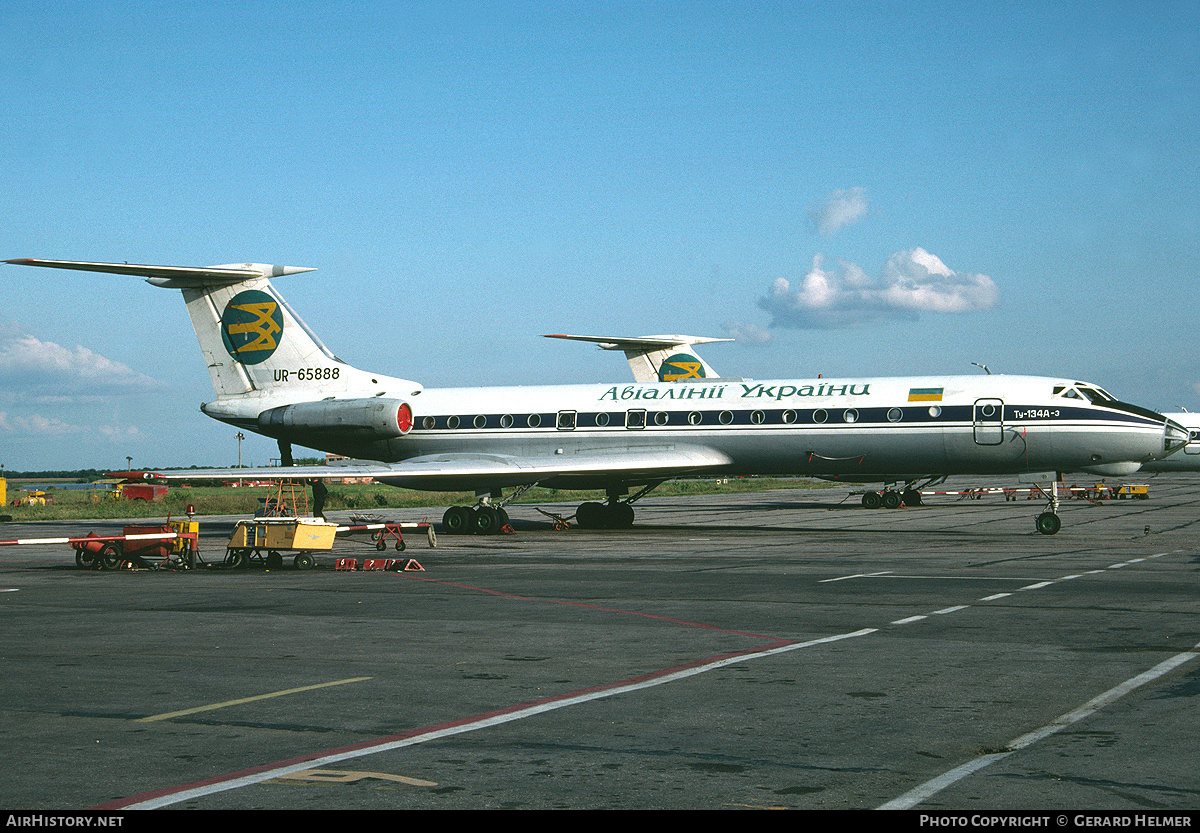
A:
590	515
485	520
911	497
1048	523
891	499
872	500
620	515
455	520
304	561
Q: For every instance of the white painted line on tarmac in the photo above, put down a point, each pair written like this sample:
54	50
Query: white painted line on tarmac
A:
186	792
932	787
856	575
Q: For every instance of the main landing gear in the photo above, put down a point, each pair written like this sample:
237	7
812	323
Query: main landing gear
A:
481	519
489	517
611	515
892	497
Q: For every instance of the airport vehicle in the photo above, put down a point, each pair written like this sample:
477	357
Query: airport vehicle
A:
272	536
273	376
172	543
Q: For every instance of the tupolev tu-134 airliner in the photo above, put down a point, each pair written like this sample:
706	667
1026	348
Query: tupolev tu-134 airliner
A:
273	376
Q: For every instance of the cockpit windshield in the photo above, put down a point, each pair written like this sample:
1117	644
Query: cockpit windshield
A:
1095	395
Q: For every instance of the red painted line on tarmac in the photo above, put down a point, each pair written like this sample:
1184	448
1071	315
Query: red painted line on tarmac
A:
585	605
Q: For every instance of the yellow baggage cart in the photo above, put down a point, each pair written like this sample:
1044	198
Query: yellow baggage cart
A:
266	539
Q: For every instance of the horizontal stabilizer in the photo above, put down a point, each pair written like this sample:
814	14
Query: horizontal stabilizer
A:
641	342
174	277
665	358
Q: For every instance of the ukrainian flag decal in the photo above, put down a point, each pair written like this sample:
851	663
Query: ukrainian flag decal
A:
925	394
680	366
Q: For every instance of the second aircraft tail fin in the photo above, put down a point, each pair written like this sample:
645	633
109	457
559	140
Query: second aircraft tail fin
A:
668	358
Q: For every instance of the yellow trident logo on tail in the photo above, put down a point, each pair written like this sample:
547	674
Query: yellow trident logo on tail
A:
262	328
251	326
680	366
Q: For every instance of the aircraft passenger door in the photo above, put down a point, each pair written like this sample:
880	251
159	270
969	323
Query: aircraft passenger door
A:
988	418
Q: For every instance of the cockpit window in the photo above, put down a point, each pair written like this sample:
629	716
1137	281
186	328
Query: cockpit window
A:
1097	396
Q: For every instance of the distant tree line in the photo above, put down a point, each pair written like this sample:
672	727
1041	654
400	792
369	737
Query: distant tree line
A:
79	475
88	475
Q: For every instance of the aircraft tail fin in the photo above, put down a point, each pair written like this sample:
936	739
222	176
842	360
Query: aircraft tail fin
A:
666	358
250	338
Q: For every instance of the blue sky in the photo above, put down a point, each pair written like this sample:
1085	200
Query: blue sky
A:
852	189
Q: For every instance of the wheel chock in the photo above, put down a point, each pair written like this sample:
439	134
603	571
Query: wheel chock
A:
346	564
375	563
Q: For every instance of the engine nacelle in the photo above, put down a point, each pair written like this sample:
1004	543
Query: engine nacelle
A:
374	418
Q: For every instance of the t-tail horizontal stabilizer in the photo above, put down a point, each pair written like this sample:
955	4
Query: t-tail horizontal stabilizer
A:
666	358
174	277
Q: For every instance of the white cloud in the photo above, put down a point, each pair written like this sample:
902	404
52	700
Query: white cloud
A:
912	282
34	425
32	369
841	209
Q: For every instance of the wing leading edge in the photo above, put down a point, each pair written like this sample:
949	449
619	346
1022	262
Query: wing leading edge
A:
470	472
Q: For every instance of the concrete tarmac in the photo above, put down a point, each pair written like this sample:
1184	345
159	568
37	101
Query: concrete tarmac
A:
787	649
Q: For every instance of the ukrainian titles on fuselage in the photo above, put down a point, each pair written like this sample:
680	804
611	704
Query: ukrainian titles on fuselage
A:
864	429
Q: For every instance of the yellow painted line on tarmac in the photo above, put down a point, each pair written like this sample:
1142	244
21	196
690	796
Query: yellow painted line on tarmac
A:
214	706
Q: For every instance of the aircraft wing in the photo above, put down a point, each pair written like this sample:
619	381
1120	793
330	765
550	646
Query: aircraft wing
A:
468	472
